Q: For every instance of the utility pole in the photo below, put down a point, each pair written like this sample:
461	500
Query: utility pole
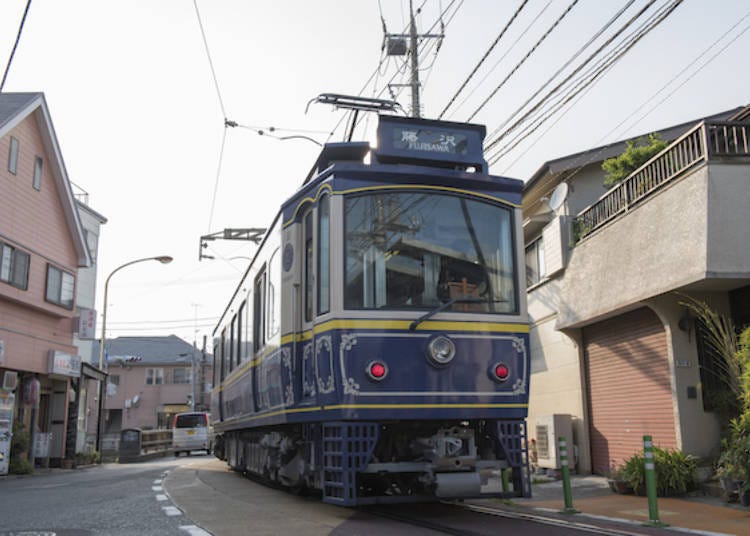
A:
396	46
414	62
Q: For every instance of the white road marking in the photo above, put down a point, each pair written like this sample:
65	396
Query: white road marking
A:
171	510
194	530
157	481
161	497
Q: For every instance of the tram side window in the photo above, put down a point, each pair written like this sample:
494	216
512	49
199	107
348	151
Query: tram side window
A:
259	331
247	329
240	350
309	283
224	355
217	362
232	348
273	310
324	255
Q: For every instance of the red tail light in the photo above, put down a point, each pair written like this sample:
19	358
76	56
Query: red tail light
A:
500	372
377	370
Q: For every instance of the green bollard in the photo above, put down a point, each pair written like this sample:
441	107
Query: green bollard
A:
653	509
567	493
506	479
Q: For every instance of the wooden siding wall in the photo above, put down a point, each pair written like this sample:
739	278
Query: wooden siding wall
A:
34	222
630	393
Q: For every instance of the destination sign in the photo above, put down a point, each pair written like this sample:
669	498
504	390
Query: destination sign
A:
430	140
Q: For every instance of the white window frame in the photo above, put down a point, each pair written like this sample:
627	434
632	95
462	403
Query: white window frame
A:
13	155
537	245
61	286
38	163
154	376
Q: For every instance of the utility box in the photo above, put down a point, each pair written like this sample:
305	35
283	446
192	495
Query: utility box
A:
548	429
130	445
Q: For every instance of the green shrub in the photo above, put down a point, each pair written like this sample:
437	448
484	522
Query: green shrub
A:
675	472
637	153
19	444
20	467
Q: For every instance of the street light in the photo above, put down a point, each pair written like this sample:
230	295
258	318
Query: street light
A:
164	259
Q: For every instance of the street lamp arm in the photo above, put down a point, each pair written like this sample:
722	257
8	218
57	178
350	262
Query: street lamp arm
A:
164	259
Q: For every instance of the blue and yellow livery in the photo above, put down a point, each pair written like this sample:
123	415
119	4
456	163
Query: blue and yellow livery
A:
377	347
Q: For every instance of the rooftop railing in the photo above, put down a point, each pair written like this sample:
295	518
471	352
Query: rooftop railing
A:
702	143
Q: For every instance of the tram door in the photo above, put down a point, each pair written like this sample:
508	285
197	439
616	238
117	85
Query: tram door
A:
317	359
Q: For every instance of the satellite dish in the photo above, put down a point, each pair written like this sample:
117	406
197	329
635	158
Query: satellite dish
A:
136	399
558	196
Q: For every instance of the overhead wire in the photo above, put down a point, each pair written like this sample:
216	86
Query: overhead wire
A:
507	52
482	60
15	44
564	66
535	110
583	83
595	156
523	60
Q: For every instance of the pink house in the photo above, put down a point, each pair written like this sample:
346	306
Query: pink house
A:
42	246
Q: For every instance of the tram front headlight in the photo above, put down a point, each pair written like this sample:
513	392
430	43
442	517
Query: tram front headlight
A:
441	350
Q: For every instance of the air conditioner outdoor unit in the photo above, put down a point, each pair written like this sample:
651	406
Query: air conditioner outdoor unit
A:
10	380
548	429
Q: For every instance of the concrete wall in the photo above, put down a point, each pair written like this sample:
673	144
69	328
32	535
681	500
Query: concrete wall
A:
556	385
728	221
658	246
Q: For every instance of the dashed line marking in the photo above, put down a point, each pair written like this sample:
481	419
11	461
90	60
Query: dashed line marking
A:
194	530
172	510
157	488
157	481
161	497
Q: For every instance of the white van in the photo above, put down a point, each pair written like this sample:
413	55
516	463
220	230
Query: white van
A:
190	431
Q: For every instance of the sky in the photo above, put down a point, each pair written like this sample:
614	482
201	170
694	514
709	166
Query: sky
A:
139	110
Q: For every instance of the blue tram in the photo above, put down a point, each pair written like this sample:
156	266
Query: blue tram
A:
377	349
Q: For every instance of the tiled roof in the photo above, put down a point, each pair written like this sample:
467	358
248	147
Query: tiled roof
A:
11	104
168	350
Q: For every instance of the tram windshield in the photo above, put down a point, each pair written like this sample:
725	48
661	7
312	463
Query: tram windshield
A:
420	250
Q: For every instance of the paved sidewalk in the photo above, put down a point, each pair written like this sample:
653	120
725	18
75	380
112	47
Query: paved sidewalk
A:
593	498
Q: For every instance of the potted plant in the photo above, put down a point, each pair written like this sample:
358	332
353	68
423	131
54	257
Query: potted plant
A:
616	482
734	463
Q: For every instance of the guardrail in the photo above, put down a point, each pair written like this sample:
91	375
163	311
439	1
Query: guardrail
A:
138	445
702	143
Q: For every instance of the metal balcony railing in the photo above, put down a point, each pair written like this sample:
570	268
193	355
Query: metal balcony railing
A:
704	142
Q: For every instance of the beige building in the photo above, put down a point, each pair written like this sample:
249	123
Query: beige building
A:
614	353
151	379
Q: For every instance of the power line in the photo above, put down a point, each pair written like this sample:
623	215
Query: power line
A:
595	155
605	65
570	60
508	50
553	91
528	54
210	61
15	44
481	61
218	176
149	322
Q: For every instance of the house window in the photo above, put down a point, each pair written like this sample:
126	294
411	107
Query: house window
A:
181	375
14	266
92	241
535	267
13	156
154	376
38	173
60	287
114	379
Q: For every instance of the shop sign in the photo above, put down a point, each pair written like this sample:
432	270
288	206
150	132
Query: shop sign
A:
64	364
87	324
